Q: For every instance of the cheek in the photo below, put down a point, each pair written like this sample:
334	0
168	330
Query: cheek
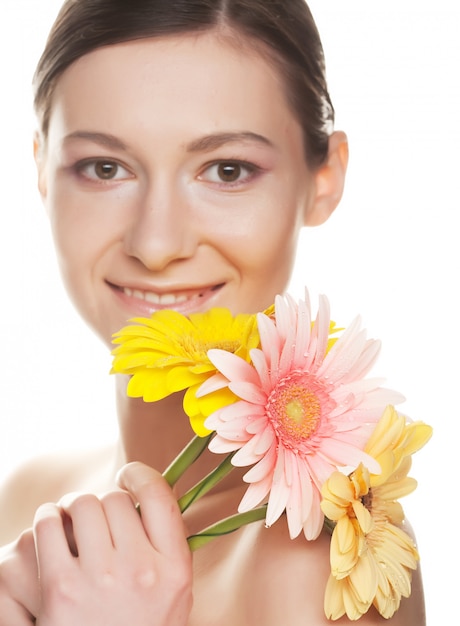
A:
81	228
266	250
78	241
79	248
71	237
274	258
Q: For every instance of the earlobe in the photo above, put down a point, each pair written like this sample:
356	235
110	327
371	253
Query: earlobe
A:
39	158
329	180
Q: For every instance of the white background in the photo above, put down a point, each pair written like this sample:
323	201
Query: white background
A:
390	252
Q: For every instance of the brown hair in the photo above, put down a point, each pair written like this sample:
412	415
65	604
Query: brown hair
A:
285	27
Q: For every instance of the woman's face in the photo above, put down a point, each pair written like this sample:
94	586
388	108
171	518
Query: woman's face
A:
174	177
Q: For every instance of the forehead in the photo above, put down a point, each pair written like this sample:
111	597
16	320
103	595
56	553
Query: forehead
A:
201	80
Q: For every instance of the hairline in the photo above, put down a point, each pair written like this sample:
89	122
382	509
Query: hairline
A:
228	33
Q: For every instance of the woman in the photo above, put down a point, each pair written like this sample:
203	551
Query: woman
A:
182	147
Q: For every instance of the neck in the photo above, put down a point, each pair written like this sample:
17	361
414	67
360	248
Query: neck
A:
154	433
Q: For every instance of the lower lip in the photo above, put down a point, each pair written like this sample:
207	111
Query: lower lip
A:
140	307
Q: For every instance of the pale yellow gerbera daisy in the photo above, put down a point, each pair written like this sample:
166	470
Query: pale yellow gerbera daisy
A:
168	353
372	558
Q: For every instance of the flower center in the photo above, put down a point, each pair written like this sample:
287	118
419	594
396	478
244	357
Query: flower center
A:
198	348
228	345
367	500
294	408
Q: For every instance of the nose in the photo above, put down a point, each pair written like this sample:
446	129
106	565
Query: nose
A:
161	230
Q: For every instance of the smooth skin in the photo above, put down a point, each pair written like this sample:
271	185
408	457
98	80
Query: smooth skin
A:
167	185
167	221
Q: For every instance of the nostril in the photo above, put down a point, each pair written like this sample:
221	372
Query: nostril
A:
161	236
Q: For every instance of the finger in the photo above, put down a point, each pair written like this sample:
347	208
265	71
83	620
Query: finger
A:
19	581
123	520
90	528
13	613
52	549
160	512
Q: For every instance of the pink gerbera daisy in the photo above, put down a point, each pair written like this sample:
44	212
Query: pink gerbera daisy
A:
304	410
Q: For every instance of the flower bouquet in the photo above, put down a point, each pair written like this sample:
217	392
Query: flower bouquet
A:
287	396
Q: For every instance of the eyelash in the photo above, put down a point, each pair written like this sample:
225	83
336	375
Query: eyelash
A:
81	166
251	169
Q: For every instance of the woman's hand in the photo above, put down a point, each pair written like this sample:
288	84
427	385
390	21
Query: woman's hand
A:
19	585
100	562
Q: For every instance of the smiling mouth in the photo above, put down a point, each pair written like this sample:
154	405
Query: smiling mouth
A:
169	299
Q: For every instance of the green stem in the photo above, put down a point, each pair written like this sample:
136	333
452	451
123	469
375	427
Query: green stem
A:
226	526
185	458
329	525
206	484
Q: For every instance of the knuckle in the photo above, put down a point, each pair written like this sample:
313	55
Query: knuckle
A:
61	589
44	521
144	577
157	491
179	574
78	502
135	475
147	491
116	499
105	581
25	543
14	558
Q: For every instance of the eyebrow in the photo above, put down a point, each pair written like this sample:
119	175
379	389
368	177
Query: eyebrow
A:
203	144
216	140
103	139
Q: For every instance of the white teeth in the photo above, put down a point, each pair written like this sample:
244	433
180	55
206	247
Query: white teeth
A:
166	299
154	298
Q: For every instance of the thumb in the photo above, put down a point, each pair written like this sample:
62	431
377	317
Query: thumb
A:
160	512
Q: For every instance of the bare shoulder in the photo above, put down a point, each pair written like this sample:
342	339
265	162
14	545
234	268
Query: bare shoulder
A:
46	479
282	581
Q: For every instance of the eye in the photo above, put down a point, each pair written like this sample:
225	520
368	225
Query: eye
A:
102	170
229	172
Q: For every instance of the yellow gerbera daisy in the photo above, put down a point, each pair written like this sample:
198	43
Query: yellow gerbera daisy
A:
372	558
168	353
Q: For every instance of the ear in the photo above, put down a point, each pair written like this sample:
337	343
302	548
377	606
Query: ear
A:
40	162
329	181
